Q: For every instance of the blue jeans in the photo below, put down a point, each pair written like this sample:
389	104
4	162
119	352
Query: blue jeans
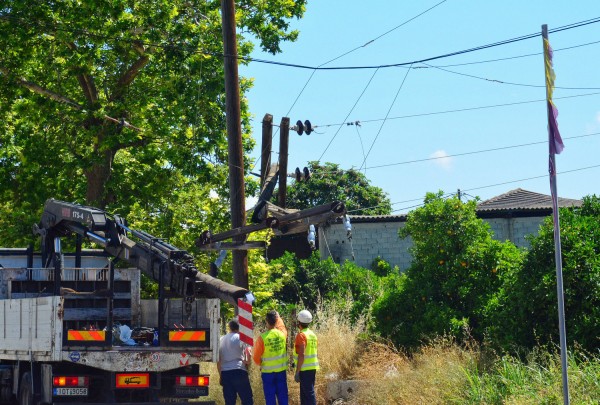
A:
275	386
307	387
236	382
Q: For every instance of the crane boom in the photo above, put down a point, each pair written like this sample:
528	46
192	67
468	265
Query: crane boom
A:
155	257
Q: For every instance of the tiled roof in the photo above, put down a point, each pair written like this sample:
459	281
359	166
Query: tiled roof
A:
517	202
520	199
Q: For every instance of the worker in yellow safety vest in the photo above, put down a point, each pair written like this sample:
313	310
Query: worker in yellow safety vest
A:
305	356
270	353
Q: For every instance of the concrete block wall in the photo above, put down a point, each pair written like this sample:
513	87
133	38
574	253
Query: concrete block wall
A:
369	241
373	239
515	229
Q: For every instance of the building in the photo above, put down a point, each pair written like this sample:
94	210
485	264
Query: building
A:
511	216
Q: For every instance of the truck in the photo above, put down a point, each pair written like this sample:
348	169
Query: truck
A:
73	328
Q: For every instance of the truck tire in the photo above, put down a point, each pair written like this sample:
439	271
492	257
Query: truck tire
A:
26	390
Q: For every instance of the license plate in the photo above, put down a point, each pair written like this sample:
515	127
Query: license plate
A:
70	391
191	392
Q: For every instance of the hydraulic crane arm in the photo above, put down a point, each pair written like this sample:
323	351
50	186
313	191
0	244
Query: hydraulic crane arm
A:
161	261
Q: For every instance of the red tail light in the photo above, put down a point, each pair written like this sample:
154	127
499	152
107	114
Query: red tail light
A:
192	381
70	381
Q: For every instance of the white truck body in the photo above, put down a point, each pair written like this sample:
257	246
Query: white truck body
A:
33	325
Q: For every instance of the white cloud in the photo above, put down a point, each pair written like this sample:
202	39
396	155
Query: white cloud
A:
442	159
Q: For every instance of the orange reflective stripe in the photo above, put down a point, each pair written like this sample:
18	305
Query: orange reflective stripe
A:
85	335
187	335
133	380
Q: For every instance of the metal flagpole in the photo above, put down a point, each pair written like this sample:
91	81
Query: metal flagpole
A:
555	146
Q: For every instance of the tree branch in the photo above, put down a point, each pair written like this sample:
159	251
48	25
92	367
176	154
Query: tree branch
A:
86	82
42	91
62	99
129	76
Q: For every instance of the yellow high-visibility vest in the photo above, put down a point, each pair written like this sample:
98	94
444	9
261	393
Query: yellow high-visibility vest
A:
311	362
274	359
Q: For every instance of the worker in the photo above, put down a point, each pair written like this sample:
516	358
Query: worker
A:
305	356
270	354
233	363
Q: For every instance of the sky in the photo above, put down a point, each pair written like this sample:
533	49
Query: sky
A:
411	139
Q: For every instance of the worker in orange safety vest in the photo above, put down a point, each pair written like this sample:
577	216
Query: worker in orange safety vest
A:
271	354
305	356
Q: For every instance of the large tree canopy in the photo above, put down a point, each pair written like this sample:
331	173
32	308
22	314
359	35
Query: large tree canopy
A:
329	183
116	103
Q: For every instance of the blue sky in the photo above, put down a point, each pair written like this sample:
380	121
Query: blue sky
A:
413	99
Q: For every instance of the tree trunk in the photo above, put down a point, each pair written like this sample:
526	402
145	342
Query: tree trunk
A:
97	177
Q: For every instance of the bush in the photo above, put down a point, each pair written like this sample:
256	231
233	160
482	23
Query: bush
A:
305	281
531	300
457	270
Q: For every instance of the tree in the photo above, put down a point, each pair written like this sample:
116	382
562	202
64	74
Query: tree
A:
329	183
116	103
530	312
457	269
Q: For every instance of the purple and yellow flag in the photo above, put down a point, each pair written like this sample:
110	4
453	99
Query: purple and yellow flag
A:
556	143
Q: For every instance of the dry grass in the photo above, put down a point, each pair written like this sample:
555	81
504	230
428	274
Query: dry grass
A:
339	346
338	353
441	372
434	375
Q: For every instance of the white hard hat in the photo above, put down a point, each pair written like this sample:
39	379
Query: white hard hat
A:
304	316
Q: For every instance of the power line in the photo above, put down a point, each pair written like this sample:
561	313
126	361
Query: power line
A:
508	57
504	82
382	35
532	178
257	60
383	122
328	172
476	152
491	185
456	110
350	112
443	56
353	50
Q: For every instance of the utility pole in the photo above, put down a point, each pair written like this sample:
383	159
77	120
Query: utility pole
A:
234	138
267	142
284	128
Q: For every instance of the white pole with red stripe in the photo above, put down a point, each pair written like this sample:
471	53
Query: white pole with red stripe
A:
245	321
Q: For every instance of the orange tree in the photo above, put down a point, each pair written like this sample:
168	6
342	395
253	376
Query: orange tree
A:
528	313
457	270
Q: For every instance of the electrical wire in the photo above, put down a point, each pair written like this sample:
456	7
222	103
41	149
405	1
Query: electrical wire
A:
383	122
504	82
476	152
382	35
456	110
350	112
498	184
509	57
332	172
293	65
353	50
443	56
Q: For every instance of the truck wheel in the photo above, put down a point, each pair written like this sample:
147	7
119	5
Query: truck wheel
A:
26	390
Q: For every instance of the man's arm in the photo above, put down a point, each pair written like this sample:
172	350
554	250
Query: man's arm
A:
299	345
219	361
259	349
